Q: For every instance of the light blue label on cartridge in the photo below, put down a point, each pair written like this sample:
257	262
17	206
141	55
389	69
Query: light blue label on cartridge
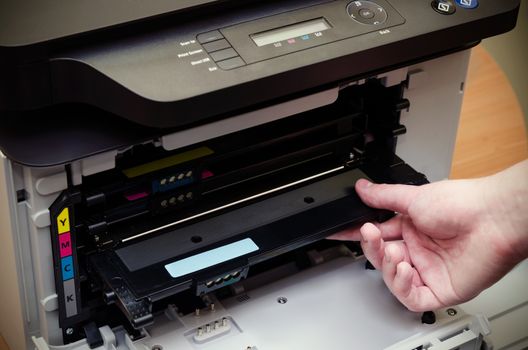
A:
211	257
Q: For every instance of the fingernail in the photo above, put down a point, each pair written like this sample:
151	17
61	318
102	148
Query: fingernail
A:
363	236
363	183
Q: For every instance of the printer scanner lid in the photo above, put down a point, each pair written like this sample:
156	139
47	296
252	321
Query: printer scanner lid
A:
175	73
26	23
130	78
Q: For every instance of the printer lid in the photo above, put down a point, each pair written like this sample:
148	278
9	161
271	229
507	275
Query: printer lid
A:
170	71
24	23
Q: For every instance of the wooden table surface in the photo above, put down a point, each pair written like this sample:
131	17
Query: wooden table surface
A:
491	135
3	345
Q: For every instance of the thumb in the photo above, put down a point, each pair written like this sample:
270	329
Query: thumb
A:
397	198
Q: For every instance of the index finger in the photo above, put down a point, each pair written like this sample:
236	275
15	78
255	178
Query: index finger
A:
397	198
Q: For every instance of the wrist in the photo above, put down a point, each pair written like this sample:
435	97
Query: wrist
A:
506	200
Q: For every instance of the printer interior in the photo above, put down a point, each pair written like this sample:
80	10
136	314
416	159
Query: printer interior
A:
170	227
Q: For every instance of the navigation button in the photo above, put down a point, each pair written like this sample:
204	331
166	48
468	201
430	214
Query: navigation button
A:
231	63
445	7
209	36
216	45
223	54
366	13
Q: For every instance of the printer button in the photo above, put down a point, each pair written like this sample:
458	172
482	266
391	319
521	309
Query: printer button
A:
223	54
216	45
366	13
231	63
445	7
209	36
467	4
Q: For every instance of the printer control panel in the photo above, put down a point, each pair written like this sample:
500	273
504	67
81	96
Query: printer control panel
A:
285	33
262	39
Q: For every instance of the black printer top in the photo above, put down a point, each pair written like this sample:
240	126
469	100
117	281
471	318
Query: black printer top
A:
206	60
24	23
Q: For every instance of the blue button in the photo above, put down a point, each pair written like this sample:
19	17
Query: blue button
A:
67	268
467	4
305	37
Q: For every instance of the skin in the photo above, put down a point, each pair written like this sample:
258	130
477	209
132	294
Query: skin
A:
450	240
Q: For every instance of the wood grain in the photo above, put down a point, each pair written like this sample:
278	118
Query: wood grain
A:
491	134
3	345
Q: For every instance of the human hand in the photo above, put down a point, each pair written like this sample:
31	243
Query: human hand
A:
449	240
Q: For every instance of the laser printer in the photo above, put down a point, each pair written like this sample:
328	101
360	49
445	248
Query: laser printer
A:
170	171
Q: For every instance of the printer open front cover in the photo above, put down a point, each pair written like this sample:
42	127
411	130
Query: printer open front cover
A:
180	155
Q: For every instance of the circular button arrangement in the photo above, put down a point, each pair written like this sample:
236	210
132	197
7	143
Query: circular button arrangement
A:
367	12
445	7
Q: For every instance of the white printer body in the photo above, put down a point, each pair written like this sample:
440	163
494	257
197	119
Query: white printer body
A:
176	189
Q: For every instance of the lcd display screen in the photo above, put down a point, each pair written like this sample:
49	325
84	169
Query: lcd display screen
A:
290	32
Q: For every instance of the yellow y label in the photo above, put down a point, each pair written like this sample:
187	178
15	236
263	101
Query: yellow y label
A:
63	221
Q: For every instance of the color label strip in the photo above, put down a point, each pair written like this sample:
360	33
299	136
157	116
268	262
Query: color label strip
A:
67	268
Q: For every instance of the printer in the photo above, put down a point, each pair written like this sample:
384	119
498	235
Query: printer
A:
170	170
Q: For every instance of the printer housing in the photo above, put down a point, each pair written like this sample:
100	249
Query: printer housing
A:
156	168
